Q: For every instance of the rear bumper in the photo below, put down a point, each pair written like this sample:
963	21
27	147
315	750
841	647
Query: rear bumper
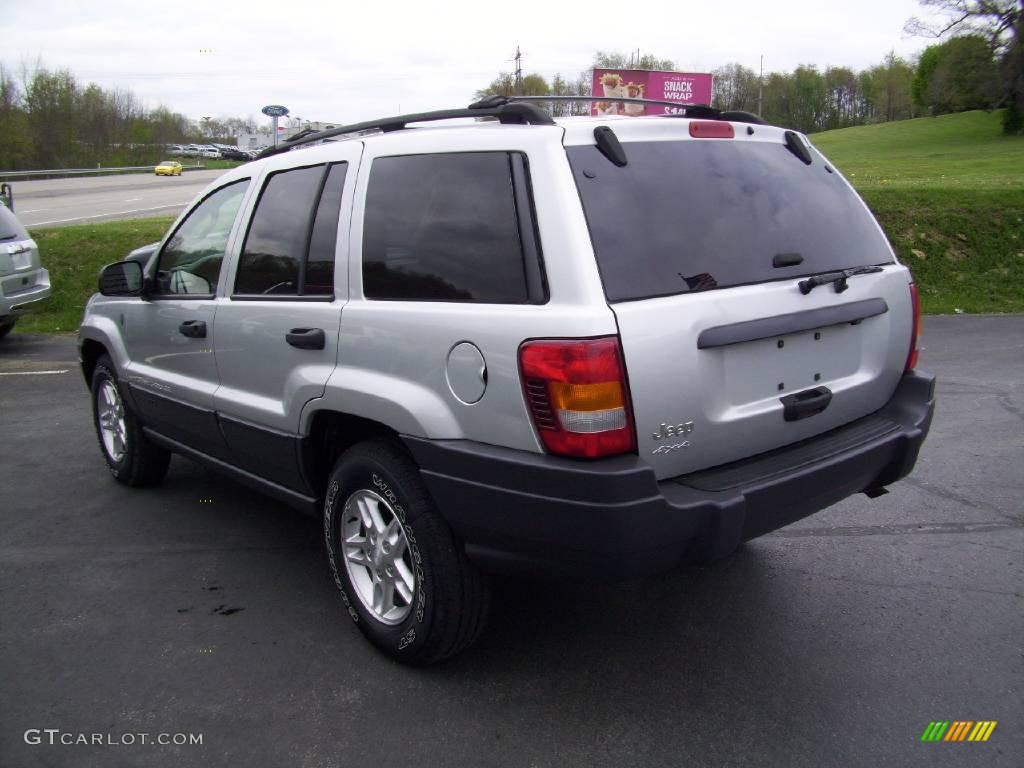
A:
525	513
19	302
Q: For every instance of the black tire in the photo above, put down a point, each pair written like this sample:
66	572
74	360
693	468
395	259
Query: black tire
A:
449	606
6	326
142	462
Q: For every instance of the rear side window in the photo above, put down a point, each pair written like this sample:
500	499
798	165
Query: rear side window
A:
696	215
289	249
443	227
320	263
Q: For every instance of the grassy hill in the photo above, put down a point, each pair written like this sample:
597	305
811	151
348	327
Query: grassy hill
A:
949	192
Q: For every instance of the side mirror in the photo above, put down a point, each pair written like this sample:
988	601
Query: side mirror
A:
121	279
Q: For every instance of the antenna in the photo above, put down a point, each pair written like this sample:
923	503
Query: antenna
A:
760	89
518	58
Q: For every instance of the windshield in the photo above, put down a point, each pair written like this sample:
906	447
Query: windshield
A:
167	162
697	215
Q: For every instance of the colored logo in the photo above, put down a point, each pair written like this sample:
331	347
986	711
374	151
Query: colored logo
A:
959	730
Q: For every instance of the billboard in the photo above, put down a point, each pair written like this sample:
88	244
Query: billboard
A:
684	88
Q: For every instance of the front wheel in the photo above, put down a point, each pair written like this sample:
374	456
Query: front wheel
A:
403	578
6	326
132	458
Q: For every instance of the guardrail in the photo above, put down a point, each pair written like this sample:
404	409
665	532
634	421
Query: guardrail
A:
57	173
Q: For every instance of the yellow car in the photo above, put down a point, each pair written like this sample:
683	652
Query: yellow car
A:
168	168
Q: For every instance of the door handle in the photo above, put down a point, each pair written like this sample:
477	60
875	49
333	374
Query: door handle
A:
306	338
194	329
800	405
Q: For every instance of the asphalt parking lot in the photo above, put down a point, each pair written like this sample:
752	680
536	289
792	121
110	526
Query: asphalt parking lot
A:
832	642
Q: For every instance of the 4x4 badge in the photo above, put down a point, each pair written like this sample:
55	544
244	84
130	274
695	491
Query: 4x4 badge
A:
673	430
667	448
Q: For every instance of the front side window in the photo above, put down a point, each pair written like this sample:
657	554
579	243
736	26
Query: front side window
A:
190	262
443	228
289	250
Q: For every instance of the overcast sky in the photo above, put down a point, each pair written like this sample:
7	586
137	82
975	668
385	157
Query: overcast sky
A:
350	61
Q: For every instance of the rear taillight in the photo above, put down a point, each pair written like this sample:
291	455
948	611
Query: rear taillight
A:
915	331
576	392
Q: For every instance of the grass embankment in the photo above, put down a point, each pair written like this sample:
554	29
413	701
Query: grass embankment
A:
949	192
74	257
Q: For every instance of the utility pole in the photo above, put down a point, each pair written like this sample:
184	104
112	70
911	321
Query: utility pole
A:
760	89
519	69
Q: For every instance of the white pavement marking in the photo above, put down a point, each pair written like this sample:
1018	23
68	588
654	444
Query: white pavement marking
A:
35	210
111	213
31	373
132	199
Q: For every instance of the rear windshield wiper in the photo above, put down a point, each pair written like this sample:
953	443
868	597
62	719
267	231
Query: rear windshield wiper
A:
839	278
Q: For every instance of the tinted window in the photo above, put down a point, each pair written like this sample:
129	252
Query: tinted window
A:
190	261
320	264
697	215
276	243
443	228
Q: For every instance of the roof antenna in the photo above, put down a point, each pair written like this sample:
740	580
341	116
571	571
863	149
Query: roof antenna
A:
609	145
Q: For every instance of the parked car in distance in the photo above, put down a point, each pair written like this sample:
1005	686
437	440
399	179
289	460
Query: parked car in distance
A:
210	153
24	283
234	153
175	150
591	348
168	168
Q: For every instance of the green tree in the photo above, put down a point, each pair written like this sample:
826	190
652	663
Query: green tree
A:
891	90
1012	66
579	87
635	60
957	75
49	101
505	85
996	20
926	66
16	144
1001	22
734	87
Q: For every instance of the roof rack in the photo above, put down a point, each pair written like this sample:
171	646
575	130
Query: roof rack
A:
508	109
700	111
509	113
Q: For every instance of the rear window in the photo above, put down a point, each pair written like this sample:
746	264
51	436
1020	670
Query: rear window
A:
696	215
10	227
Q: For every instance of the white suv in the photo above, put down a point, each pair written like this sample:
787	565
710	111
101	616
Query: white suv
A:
594	347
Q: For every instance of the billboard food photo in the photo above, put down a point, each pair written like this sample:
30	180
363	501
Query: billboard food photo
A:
685	88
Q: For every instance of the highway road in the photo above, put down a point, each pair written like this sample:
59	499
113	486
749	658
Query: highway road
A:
61	202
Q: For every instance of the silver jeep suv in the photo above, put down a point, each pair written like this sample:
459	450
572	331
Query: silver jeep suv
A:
591	347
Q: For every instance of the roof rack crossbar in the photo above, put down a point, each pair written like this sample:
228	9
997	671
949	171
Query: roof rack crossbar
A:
506	113
702	111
